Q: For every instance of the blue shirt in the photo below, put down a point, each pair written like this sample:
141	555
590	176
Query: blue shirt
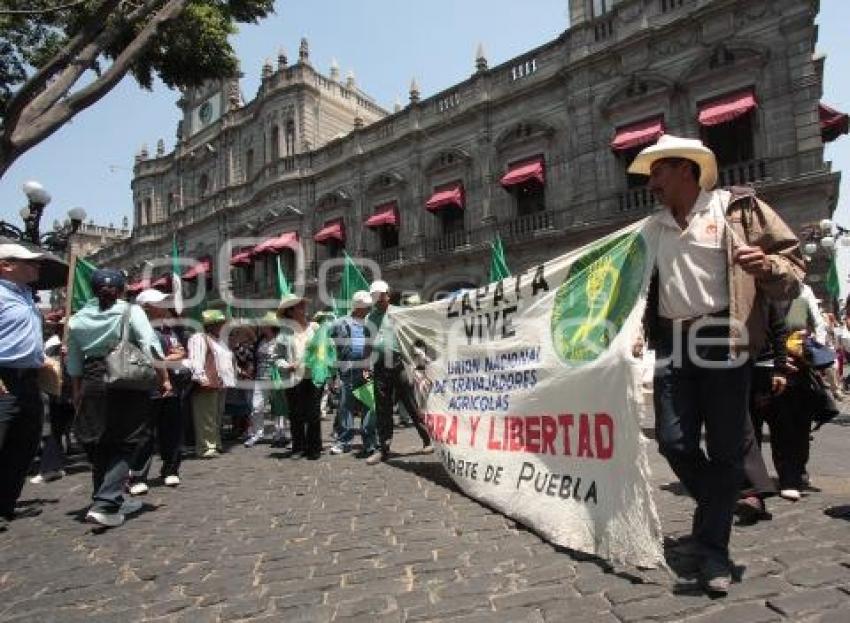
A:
21	342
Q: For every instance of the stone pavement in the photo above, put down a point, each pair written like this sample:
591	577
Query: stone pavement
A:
252	536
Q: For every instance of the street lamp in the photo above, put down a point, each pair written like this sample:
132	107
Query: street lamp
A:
38	198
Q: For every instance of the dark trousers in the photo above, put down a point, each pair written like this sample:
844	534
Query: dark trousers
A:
757	482
304	402
689	396
391	384
166	433
789	422
110	469
21	414
60	414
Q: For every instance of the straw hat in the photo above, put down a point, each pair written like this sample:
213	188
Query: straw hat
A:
669	146
361	299
213	316
289	300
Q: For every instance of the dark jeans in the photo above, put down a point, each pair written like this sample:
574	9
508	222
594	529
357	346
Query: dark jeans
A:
21	414
789	422
757	482
166	430
688	397
61	416
304	401
110	469
391	384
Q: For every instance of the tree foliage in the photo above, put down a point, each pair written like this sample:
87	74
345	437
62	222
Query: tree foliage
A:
58	57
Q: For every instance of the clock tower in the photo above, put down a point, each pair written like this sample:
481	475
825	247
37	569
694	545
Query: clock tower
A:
202	106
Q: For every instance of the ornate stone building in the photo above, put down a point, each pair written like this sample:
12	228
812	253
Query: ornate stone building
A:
534	150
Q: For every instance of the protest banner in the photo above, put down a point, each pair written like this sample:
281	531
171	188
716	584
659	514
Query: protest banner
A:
534	397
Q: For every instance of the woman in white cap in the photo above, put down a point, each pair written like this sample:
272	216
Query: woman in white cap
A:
303	398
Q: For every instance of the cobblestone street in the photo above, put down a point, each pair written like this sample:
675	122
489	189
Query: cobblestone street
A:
253	536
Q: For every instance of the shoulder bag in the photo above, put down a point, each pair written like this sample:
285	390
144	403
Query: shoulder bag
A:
127	365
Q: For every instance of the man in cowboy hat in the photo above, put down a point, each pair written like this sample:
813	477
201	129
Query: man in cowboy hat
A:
720	254
21	355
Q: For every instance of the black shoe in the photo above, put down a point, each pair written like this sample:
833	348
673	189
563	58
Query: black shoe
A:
314	456
751	509
364	454
22	513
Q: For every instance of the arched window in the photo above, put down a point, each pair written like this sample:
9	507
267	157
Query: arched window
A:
275	146
290	138
148	211
203	185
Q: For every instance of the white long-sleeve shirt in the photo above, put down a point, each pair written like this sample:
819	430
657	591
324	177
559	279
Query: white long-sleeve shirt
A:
222	355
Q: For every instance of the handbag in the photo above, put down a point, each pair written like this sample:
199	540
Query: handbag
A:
50	377
127	365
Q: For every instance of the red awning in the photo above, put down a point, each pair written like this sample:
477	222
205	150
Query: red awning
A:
451	196
334	230
286	240
243	258
832	123
386	214
524	172
727	108
138	286
201	268
638	134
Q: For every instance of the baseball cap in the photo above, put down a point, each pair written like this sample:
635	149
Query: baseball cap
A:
150	296
361	299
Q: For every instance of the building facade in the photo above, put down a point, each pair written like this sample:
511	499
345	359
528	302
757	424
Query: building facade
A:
534	150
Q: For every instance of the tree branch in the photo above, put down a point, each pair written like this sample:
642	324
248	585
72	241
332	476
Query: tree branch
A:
85	59
38	81
54	116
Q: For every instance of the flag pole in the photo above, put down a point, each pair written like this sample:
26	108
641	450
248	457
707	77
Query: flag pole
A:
69	294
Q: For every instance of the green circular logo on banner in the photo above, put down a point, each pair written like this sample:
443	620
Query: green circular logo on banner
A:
597	296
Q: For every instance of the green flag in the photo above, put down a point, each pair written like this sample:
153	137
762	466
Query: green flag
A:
498	264
277	399
833	286
320	355
366	394
282	285
352	281
176	281
81	288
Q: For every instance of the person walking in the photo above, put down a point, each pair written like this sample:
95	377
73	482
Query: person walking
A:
720	254
352	338
303	398
21	356
391	380
166	426
110	422
213	372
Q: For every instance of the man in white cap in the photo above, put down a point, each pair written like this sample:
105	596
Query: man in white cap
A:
721	253
391	381
352	338
21	356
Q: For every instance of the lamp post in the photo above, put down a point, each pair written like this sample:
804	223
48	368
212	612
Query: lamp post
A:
827	236
37	200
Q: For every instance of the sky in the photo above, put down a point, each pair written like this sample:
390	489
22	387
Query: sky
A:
88	163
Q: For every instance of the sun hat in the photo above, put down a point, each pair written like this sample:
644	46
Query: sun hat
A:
669	146
151	296
15	251
270	319
213	316
289	300
361	299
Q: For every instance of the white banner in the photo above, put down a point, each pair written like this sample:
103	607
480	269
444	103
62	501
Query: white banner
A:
532	396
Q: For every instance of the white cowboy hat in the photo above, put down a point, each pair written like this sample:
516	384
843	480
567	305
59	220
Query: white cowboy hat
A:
151	296
669	146
361	300
289	300
14	251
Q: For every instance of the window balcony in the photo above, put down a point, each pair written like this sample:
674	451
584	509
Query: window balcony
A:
743	173
527	226
636	200
386	257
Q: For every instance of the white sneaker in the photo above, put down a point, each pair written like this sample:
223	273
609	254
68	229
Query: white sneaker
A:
790	494
130	506
210	454
339	448
429	449
253	439
172	481
40	479
110	520
140	488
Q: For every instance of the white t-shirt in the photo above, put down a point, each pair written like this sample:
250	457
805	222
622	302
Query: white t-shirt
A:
692	265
